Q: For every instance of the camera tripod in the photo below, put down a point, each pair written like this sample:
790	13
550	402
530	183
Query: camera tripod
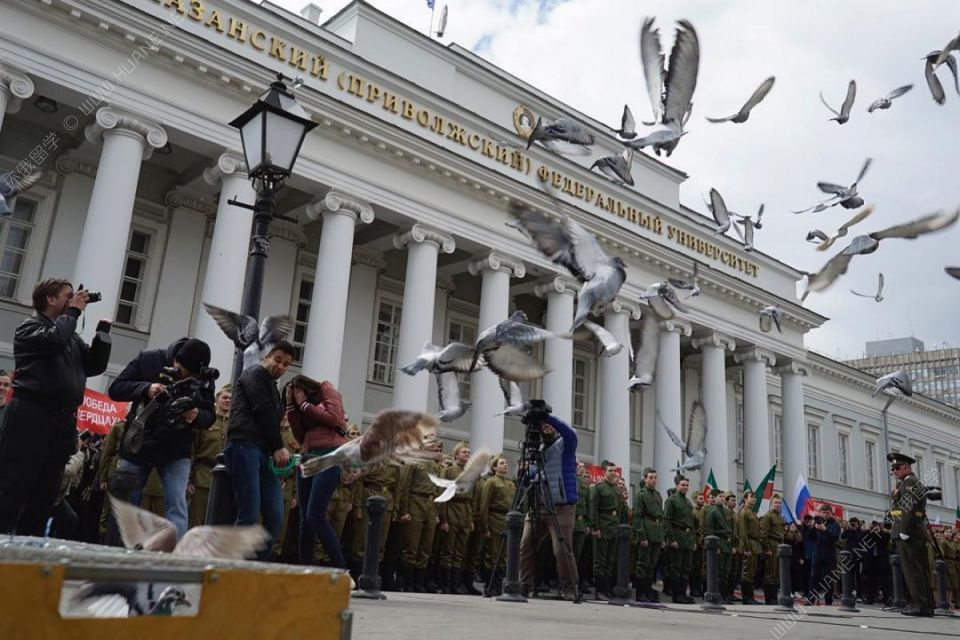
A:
534	497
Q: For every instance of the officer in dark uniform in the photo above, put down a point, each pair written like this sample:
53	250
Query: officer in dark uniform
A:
909	512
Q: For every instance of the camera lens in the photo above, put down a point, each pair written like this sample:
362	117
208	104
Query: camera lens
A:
94	296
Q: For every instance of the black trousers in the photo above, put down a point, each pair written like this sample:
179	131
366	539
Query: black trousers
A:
35	444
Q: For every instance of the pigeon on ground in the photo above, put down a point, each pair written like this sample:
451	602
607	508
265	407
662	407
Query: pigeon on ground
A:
860	216
844	114
645	357
896	384
887	101
616	166
771	316
663	299
877	296
504	348
242	331
953	272
628	126
561	136
513	396
721	215
392	432
448	388
142	598
759	94
12	185
694	442
846	197
670	91
930	74
464	482
456	356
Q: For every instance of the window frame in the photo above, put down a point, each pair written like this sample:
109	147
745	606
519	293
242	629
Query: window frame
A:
397	301
813	451
589	392
150	282
302	273
464	320
843	457
44	199
870	456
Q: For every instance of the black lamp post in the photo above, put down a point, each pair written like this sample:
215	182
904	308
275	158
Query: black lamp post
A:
272	131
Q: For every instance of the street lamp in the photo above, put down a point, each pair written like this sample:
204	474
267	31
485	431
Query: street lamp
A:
272	132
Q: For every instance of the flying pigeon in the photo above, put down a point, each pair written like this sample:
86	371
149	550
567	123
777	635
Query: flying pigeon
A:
561	136
771	316
464	482
456	356
720	213
645	358
503	346
12	185
670	91
896	384
748	224
815	235
513	396
953	272
694	442
628	126
930	74
860	216
616	166
846	197
887	101
451	406
844	114
878	296
392	432
953	45
242	330
692	286
142	598
609	346
744	113
568	244
663	299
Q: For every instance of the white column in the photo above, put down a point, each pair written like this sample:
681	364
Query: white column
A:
361	312
14	87
227	260
416	317
286	241
560	293
331	284
72	202
127	141
756	413
794	428
669	399
713	383
486	429
614	430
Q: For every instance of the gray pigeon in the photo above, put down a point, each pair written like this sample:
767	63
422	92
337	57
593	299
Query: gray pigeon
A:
12	185
748	224
628	126
513	396
817	235
663	299
720	213
844	114
860	216
953	45
503	345
878	296
887	101
691	286
456	356
617	166
561	136
448	388
142	598
771	316
953	272
694	442
670	91
242	331
645	357
744	113
846	197
930	74
896	384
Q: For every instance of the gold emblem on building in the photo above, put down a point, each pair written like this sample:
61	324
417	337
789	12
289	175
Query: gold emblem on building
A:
524	120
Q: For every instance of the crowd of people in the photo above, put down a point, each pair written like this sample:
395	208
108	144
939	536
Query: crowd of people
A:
53	481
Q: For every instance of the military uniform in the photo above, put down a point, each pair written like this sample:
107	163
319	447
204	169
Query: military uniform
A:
475	541
457	514
749	547
416	500
495	500
648	526
606	508
679	527
735	557
582	522
908	512
207	444
697	564
716	524
771	535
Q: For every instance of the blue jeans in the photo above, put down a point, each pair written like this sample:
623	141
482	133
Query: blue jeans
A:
256	489
313	496
174	476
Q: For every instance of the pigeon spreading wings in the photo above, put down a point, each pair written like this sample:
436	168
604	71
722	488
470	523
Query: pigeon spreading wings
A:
930	74
858	217
692	286
464	482
771	316
663	299
887	101
505	347
616	166
759	94
878	296
694	441
562	136
645	357
243	332
847	197
894	384
456	356
670	91
12	185
844	114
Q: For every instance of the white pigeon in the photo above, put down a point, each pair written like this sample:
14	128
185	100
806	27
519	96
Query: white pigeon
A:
243	332
694	441
771	316
456	356
896	384
645	357
878	296
513	396
12	185
479	460
451	405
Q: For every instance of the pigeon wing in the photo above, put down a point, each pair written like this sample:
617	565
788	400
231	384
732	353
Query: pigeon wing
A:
140	529
682	75
448	389
824	101
830	187
952	64
879	284
551	239
719	208
586	250
651	57
848	101
456	356
670	433
232	543
696	435
899	91
522	333
240	329
645	360
569	131
479	461
933	82
514	364
628	126
758	95
919	227
778	319
860	216
863	170
273	329
953	272
833	269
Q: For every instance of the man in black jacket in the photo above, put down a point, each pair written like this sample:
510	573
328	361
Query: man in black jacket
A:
39	432
168	435
826	531
253	439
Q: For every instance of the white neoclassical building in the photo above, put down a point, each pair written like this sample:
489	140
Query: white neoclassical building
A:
393	235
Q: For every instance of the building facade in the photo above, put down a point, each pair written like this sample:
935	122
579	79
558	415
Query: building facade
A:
395	235
934	373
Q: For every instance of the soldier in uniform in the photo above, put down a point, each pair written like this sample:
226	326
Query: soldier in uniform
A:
749	545
950	552
679	531
419	511
605	509
909	532
581	527
474	553
696	565
495	500
771	535
456	520
716	523
730	506
648	528
207	444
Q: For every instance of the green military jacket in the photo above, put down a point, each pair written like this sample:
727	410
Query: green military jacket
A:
583	504
771	532
749	539
207	443
734	524
110	453
496	500
417	491
679	523
606	506
715	523
909	509
458	511
648	515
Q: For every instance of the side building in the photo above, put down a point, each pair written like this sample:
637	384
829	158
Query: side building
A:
934	373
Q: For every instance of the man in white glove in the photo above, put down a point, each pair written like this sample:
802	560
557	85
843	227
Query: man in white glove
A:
909	512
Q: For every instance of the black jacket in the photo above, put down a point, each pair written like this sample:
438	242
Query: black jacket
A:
827	539
160	445
255	410
53	362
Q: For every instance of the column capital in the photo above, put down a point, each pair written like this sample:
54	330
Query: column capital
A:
67	163
18	84
755	354
621	305
288	231
181	197
419	233
556	284
339	202
677	326
795	368
369	259
715	340
496	261
112	119
229	163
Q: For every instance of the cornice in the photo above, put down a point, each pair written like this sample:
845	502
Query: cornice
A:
715	339
181	197
496	261
419	233
229	163
556	284
755	354
110	119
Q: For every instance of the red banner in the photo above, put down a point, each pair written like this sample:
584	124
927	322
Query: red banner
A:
596	473
813	505
98	412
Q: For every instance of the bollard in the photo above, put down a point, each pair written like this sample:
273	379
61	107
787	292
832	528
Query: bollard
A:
847	601
785	598
943	603
623	592
898	600
369	581
511	582
222	504
711	599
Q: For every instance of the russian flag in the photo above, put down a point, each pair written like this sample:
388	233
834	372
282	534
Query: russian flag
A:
802	495
785	513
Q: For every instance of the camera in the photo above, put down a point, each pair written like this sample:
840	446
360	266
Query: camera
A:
818	520
536	413
92	296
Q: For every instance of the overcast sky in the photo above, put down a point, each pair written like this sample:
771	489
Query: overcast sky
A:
585	53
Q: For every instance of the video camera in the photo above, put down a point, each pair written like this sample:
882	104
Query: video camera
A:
179	396
536	413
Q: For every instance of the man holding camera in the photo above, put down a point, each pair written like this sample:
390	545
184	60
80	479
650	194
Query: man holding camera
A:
39	432
826	532
172	394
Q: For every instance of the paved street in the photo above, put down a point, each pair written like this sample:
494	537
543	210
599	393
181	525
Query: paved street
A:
424	617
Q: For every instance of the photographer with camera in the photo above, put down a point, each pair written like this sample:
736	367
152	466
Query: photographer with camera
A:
172	394
39	432
558	447
825	532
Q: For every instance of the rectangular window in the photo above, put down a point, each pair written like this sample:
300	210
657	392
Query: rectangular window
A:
15	233
813	451
871	452
843	443
581	385
778	440
385	343
134	273
919	468
467	334
302	317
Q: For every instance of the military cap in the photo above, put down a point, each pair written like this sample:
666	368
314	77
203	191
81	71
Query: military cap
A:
776	496
900	458
729	494
460	445
695	494
649	470
227	388
494	460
